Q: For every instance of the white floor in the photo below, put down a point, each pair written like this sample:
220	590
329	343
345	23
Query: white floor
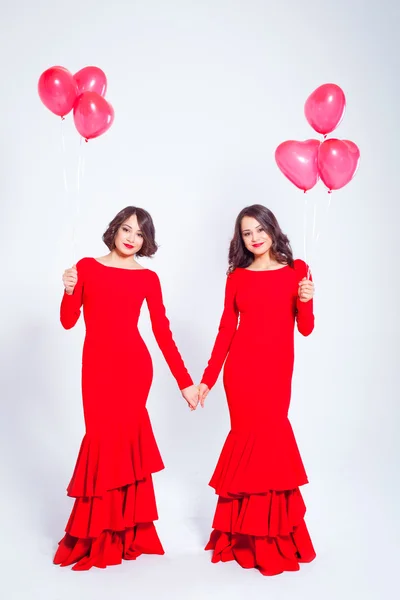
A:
354	525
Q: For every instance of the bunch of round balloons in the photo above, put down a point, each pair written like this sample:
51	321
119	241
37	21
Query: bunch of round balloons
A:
84	93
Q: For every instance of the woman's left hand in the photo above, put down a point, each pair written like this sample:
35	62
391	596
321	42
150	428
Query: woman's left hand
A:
306	290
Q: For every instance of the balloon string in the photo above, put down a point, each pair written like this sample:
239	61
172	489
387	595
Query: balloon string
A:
326	214
83	165
317	237
305	235
78	174
64	157
312	250
76	216
314	219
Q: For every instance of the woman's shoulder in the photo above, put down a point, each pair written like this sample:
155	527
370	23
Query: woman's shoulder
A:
231	275
84	262
151	276
298	263
300	267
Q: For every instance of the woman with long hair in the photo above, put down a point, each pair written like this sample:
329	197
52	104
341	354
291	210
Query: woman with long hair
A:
115	507
259	519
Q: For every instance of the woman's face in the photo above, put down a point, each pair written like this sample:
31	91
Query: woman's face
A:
255	238
129	238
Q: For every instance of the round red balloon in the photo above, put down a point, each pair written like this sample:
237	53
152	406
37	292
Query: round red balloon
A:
93	115
298	161
338	162
91	79
324	108
57	90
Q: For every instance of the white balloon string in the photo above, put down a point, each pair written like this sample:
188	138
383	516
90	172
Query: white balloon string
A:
321	224
315	218
77	211
74	244
64	157
324	220
305	234
78	174
83	165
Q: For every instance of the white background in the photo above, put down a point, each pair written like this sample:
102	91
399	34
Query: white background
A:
203	93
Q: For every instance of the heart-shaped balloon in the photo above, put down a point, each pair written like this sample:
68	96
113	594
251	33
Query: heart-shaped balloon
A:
324	108
298	161
338	162
93	115
91	79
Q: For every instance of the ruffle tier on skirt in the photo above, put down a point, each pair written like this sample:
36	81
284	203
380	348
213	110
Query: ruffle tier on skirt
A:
114	510
259	519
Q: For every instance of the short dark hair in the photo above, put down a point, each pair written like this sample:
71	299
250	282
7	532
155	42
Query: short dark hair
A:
146	226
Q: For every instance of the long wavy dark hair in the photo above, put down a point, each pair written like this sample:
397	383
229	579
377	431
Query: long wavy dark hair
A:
146	226
280	250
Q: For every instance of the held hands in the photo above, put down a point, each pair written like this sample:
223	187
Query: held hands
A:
191	395
195	394
306	290
70	279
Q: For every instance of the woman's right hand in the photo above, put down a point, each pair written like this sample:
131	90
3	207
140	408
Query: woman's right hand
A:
70	279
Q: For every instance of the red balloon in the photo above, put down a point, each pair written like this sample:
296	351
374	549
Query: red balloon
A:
338	162
91	79
324	108
298	161
57	90
93	115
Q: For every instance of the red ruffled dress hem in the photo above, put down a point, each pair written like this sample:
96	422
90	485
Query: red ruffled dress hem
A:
259	519
115	508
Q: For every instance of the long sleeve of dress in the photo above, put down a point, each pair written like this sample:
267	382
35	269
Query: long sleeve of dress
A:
162	332
226	331
70	308
304	310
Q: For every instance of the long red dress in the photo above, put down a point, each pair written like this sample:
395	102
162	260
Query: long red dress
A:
259	519
115	507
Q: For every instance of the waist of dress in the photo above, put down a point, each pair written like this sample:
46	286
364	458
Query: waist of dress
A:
259	331
118	340
117	331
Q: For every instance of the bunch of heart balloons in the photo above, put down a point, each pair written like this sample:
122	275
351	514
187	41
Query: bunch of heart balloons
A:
334	161
61	91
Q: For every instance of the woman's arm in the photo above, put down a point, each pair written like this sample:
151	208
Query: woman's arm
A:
162	332
71	303
304	310
226	331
